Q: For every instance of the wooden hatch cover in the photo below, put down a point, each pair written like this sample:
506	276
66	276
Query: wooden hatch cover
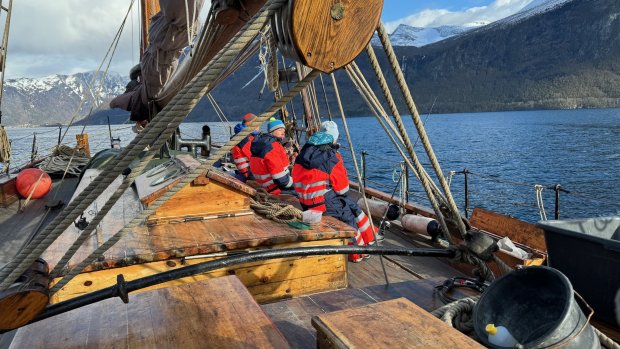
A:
329	34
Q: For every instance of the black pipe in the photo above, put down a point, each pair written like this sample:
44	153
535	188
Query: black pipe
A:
122	288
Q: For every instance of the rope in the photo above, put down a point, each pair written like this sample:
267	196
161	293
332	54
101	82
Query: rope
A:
424	179
199	86
606	341
389	51
5	149
276	211
357	171
539	201
155	135
199	171
458	314
462	255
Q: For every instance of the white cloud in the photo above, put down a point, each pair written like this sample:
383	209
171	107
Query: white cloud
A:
69	36
438	17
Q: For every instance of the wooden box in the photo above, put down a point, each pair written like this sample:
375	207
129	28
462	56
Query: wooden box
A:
396	323
8	191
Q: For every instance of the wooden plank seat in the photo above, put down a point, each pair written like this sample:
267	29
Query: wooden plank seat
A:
149	249
216	313
396	323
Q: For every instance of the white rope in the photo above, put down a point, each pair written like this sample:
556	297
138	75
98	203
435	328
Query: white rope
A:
539	201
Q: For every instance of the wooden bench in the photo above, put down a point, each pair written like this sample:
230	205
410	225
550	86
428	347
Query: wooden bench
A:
217	313
396	323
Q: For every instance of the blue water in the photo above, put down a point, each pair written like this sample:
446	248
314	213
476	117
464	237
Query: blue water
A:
507	153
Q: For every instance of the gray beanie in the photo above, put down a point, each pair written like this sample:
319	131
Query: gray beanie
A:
331	128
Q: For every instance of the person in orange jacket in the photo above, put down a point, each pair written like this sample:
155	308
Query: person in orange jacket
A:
269	161
241	152
321	182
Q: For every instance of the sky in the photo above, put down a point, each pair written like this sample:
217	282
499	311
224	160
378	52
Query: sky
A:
70	36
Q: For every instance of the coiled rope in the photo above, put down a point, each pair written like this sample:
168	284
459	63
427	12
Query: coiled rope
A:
458	314
279	212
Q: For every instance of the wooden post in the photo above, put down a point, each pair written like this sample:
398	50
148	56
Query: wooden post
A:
82	143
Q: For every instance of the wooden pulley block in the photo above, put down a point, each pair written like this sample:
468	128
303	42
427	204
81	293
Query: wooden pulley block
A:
26	298
226	11
329	34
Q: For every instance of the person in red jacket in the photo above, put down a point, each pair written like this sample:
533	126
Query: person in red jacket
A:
269	161
241	152
321	182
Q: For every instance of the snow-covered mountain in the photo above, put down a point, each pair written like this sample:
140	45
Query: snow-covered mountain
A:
534	8
56	98
406	35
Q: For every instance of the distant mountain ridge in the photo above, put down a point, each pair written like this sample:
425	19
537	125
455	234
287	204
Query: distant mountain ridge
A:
56	98
406	35
554	54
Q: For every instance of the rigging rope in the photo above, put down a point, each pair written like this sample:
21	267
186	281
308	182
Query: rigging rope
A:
389	51
155	135
539	201
357	171
178	110
418	169
200	170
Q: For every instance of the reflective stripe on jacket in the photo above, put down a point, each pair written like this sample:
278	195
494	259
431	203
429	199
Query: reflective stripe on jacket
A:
241	156
319	170
269	163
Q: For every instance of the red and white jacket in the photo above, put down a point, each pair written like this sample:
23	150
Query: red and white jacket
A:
319	169
269	164
241	156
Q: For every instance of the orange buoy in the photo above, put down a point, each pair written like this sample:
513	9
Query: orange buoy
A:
35	181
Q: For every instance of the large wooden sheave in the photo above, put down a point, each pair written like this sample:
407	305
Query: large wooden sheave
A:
329	34
179	230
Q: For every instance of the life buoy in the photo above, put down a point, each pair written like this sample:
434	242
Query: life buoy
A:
33	180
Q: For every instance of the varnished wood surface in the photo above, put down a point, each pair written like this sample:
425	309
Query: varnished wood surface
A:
293	316
319	37
218	313
267	280
161	242
396	323
518	231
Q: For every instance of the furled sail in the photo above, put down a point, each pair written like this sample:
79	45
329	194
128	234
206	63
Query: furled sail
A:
168	36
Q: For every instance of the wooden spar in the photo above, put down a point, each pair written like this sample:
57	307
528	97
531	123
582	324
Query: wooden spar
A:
148	9
305	98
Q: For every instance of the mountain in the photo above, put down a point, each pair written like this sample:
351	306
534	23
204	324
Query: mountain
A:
406	35
560	54
554	54
56	98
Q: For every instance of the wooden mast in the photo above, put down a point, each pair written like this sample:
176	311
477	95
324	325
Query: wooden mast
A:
148	8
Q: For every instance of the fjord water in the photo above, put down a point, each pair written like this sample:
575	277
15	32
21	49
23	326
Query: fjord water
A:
507	153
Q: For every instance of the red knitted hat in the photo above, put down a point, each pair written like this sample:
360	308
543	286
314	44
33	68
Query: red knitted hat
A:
248	118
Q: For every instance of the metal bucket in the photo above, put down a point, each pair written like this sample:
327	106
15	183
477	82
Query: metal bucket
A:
537	306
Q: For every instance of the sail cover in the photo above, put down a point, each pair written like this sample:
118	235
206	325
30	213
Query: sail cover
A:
168	36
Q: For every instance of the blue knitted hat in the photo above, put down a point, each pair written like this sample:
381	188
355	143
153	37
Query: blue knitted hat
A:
238	127
274	124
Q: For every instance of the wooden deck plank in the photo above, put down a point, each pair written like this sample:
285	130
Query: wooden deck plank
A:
218	313
290	316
